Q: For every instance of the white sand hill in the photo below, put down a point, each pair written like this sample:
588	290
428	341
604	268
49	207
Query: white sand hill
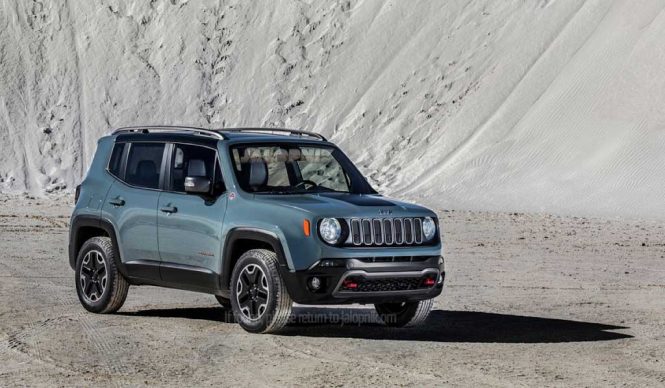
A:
554	106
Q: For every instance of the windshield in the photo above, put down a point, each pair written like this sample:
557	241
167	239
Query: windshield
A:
291	169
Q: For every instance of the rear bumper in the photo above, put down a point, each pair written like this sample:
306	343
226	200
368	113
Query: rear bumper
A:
358	280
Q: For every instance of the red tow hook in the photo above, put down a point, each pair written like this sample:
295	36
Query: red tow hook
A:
349	284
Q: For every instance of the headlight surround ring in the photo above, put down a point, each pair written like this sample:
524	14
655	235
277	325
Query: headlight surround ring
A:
429	228
331	231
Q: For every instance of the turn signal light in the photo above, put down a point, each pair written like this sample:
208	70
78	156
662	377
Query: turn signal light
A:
306	227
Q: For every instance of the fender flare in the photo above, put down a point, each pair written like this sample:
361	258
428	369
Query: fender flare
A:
86	220
249	233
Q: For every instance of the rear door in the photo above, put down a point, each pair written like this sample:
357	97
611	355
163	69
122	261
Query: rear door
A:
132	205
190	225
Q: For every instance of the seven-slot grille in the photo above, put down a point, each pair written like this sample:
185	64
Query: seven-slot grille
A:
385	231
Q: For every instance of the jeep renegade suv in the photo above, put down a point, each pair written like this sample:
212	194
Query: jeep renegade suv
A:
260	218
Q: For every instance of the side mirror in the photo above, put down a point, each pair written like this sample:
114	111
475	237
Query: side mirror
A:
197	185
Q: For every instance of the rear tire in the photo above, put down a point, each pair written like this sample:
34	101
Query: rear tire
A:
404	314
259	298
101	288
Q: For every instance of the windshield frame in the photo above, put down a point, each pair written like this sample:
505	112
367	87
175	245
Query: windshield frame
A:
357	182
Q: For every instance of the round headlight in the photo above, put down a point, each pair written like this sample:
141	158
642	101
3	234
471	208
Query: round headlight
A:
429	228
330	230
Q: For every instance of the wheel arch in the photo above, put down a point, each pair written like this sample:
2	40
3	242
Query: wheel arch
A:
240	240
84	227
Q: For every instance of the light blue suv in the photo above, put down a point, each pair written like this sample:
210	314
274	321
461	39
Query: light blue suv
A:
258	217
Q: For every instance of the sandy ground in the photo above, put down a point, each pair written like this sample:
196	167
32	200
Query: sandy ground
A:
530	300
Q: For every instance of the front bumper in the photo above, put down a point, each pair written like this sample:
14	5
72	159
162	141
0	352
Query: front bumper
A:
368	280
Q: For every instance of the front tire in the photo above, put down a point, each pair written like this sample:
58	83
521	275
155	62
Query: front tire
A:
259	298
101	288
404	314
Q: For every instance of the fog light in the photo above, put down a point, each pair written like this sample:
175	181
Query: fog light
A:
314	283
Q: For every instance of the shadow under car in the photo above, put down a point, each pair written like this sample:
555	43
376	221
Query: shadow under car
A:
441	326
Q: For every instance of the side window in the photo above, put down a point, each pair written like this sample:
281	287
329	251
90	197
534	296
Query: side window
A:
144	164
115	163
190	160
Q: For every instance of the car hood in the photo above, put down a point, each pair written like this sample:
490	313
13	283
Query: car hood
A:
344	205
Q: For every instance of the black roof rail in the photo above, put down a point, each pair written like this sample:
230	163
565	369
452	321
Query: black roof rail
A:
285	130
166	128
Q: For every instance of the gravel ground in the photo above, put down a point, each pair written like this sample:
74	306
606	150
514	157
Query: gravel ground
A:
530	300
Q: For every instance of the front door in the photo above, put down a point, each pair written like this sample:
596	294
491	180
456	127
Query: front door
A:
189	226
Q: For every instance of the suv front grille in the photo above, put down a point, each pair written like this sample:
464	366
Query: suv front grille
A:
385	231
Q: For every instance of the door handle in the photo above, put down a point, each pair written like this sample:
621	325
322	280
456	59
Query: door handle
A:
117	201
169	209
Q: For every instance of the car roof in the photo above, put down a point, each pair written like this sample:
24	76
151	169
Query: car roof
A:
178	137
250	137
211	137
